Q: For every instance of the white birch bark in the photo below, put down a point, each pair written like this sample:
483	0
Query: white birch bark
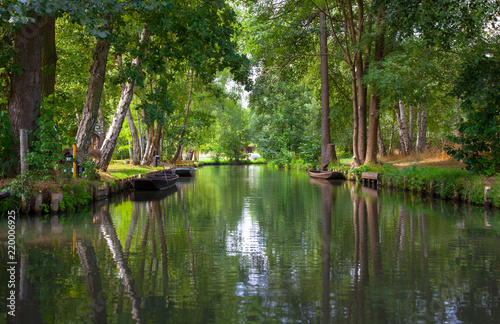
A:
127	94
411	123
403	128
422	129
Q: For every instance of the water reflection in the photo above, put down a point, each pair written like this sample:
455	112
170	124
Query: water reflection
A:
259	245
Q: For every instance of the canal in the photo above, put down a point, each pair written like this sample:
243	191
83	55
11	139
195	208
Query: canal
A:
252	244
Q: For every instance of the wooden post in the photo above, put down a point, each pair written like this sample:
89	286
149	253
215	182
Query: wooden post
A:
74	160
486	195
23	144
405	183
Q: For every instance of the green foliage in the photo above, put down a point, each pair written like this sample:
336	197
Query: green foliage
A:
90	171
6	152
74	195
478	144
45	153
233	130
283	111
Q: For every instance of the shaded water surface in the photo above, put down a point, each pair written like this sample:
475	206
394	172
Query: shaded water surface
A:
254	244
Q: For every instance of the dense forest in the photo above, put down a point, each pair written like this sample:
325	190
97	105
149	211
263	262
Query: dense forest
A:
304	81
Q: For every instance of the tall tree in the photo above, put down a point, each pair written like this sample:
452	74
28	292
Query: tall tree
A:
327	153
90	110
127	94
26	83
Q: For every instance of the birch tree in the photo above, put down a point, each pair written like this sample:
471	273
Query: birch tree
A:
127	93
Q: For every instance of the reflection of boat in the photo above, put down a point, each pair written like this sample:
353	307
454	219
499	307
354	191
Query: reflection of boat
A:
152	195
155	182
328	182
185	172
326	175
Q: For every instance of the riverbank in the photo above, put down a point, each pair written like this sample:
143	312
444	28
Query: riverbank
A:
65	194
441	179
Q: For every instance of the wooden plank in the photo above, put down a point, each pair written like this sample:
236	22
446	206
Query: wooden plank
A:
370	175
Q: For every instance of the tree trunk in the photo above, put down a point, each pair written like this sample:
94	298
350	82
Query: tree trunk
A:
392	131
90	110
149	140
26	87
373	125
354	117
325	95
361	108
49	57
411	127
422	129
403	128
128	89
381	146
102	127
153	145
178	152
136	149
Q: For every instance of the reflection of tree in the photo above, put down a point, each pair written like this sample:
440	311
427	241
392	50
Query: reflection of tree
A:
326	212
27	308
114	244
90	267
366	229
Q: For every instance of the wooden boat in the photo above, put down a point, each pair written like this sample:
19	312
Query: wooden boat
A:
156	195
185	172
154	182
326	175
4	195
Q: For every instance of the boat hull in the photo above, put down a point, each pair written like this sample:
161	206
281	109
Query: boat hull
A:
185	172
326	175
155	182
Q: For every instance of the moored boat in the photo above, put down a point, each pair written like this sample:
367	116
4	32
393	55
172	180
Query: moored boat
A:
185	172
155	182
326	175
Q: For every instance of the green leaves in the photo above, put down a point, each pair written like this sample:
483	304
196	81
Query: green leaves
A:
478	144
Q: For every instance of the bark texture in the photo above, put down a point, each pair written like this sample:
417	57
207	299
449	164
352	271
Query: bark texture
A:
422	129
127	94
403	128
26	86
136	149
90	111
381	147
325	96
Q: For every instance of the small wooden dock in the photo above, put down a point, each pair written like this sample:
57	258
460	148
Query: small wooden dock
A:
370	179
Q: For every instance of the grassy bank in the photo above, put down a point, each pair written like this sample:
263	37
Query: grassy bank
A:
437	174
120	170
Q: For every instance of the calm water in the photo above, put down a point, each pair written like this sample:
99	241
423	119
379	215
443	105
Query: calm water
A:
254	244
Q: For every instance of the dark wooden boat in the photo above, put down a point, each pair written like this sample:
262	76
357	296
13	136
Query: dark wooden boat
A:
185	172
156	195
4	195
155	182
326	175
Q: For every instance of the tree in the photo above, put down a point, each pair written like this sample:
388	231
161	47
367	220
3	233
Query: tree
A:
233	129
478	144
26	81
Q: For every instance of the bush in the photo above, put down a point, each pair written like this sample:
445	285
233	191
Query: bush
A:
478	144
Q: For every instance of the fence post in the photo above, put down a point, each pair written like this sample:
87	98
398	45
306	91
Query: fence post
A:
23	144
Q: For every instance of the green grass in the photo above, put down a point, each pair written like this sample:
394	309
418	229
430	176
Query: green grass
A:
121	171
445	181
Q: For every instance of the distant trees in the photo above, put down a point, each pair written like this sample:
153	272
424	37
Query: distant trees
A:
395	60
155	42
